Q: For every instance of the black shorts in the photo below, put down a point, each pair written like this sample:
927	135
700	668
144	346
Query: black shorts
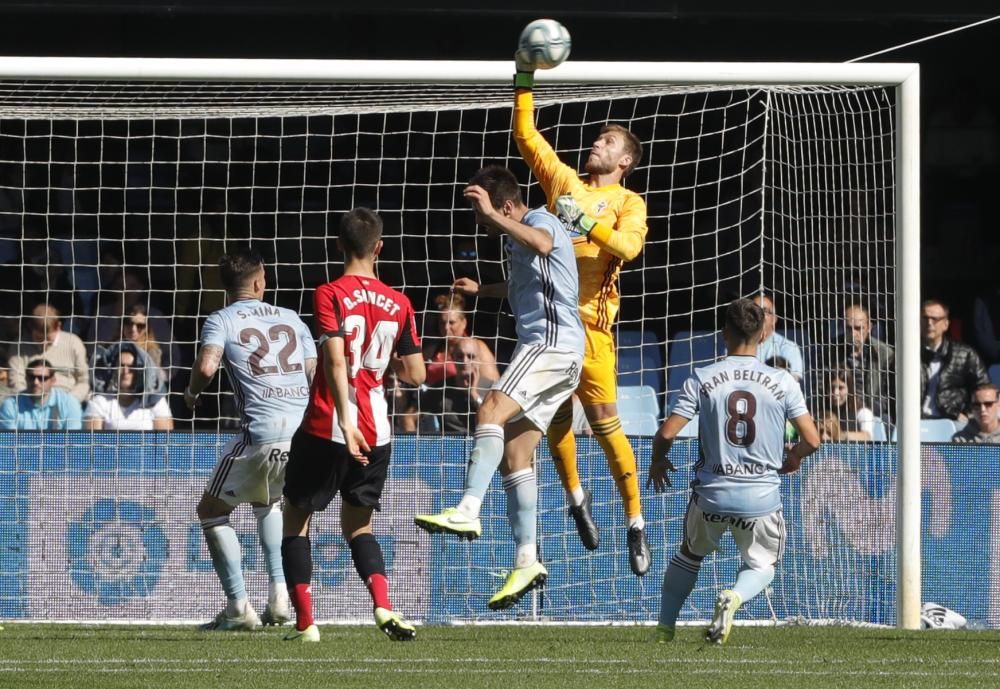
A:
318	468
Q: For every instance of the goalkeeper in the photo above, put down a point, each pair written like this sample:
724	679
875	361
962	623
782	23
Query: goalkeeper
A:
608	226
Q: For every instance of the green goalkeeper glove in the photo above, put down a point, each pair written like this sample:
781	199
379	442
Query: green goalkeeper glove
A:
569	212
524	78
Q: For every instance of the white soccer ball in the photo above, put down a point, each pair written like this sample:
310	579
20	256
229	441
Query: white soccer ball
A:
545	43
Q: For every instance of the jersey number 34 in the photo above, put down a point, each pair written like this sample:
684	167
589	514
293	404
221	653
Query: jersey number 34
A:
380	344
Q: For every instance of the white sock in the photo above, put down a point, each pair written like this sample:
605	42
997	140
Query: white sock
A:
236	606
636	522
576	496
470	505
276	590
526	555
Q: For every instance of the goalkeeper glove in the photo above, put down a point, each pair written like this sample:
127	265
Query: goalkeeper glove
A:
569	212
524	78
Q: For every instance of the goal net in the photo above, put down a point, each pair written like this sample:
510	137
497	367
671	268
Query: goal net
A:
117	197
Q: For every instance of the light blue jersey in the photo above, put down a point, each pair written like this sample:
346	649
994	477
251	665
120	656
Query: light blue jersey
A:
543	290
742	406
265	348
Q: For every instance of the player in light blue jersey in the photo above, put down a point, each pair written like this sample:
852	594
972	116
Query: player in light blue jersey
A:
742	406
271	359
542	290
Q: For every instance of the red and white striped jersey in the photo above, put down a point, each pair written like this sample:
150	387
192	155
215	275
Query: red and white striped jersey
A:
375	321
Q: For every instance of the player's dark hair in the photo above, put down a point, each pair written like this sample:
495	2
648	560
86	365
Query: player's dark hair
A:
744	320
633	146
238	267
360	231
500	183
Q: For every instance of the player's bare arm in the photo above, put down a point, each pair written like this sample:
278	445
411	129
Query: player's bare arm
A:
534	239
809	442
468	286
205	367
335	370
410	368
310	369
660	462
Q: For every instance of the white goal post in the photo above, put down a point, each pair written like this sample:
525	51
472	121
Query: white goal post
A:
590	77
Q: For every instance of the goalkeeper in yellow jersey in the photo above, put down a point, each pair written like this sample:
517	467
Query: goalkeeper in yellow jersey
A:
608	225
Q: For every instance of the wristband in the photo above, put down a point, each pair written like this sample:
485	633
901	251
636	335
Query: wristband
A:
524	80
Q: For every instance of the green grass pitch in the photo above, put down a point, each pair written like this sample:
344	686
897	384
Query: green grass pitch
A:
464	657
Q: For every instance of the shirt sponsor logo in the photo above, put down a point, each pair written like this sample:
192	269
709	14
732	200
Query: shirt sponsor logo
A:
293	392
739	469
735	522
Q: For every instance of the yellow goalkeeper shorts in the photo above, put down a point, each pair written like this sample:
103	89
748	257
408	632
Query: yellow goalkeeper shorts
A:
599	379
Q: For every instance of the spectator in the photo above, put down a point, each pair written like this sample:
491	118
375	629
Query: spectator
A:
986	324
776	345
829	427
856	421
128	289
124	406
984	426
457	405
135	328
452	323
871	362
44	406
64	351
5	389
951	371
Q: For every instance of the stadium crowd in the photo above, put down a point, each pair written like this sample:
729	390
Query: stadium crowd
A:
851	384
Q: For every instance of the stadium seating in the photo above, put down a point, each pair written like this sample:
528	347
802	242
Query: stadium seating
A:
640	424
638	409
640	363
995	374
879	434
935	430
690	349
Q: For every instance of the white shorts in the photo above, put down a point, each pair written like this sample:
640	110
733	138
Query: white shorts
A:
761	540
540	379
249	473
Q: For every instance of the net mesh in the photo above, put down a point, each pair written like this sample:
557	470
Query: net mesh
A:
115	195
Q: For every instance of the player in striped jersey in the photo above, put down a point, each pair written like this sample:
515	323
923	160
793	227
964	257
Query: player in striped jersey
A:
608	226
542	291
743	405
270	358
343	444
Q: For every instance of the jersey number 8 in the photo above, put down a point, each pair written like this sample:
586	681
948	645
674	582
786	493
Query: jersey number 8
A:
741	407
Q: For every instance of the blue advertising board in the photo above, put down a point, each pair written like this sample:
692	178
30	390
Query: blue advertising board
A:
102	527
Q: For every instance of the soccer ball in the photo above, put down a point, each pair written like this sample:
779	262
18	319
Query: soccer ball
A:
544	43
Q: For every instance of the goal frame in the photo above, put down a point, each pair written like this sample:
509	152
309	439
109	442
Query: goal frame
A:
905	78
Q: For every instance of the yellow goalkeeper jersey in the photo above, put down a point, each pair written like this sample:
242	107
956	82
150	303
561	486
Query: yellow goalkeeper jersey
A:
620	213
